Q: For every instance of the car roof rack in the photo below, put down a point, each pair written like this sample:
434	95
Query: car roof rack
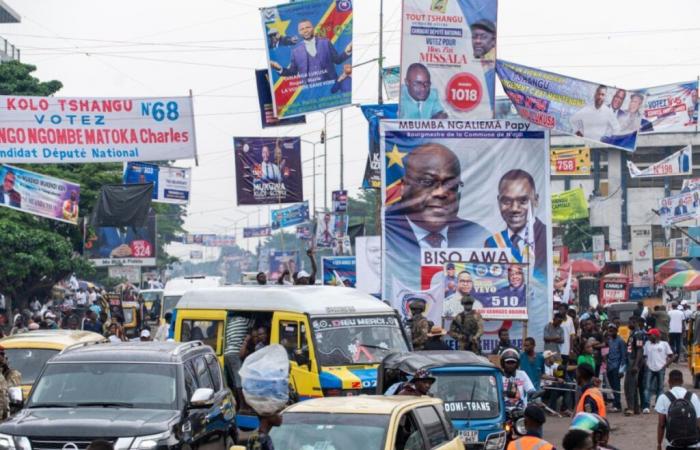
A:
81	344
186	345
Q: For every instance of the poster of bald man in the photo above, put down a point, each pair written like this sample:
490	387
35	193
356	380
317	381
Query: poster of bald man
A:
448	59
478	185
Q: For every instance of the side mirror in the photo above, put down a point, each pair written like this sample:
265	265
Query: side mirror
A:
202	397
302	357
15	394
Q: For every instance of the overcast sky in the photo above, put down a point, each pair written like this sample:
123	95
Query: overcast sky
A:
167	47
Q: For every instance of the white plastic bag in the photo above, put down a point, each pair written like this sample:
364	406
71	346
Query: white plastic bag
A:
265	380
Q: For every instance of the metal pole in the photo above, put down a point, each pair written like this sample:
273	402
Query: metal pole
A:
313	160
380	98
325	161
341	149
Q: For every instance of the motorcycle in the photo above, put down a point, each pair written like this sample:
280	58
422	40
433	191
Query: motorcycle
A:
515	417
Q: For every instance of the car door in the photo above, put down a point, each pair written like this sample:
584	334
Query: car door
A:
436	431
210	435
291	331
222	414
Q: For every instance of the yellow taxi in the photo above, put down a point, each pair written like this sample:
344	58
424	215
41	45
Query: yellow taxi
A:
28	352
365	422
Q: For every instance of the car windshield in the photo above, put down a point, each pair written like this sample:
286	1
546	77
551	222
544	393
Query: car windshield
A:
330	431
148	386
28	361
356	340
151	296
467	395
169	302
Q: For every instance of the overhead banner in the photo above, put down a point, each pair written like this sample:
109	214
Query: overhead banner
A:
170	184
569	205
40	194
642	256
373	168
291	215
339	271
123	205
391	76
71	130
680	207
280	261
368	252
251	232
581	108
122	246
671	108
210	240
268	170
679	163
330	227
267	109
309	52
570	161
450	196
340	201
448	59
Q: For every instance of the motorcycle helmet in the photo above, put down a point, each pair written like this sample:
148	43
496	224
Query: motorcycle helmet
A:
590	422
510	354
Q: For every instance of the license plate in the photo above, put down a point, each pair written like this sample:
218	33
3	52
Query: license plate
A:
469	436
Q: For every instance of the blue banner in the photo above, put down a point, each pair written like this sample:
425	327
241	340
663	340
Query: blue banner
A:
309	50
170	184
250	232
373	169
267	109
291	215
581	108
339	271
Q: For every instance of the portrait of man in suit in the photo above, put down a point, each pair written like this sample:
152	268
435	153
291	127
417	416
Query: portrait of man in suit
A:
9	195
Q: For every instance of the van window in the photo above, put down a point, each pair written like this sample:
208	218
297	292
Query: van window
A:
202	370
206	331
433	426
408	435
289	337
214	371
190	380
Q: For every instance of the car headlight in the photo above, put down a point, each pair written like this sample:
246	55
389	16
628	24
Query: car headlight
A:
495	441
150	442
8	442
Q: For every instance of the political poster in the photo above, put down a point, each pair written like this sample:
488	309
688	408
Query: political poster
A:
251	232
291	215
593	111
268	170
449	195
267	109
679	163
339	271
121	246
448	59
171	184
679	207
373	168
391	76
569	205
342	246
304	232
340	201
196	254
671	108
330	227
40	194
132	274
209	240
279	262
642	256
69	130
368	253
571	161
309	52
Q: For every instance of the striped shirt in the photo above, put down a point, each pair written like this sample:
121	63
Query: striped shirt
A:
236	331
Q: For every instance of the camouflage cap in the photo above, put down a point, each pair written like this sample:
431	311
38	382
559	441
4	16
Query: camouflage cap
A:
422	374
416	303
467	299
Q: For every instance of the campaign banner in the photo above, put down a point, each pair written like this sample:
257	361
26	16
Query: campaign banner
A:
309	52
368	253
69	130
251	232
282	261
268	170
671	108
196	254
581	108
304	232
569	205
448	59
679	207
449	195
330	227
391	76
40	194
339	271
342	246
132	274
340	201
570	161
171	184
291	215
642	256
267	109
373	168
121	246
209	240
679	163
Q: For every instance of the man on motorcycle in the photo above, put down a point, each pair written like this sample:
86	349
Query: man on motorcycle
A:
598	426
532	440
516	384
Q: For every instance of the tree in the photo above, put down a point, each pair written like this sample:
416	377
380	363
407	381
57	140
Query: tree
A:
364	210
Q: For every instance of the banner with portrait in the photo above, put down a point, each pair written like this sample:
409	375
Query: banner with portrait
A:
339	271
290	215
170	184
268	170
267	109
679	163
448	59
282	261
122	246
671	108
570	161
447	186
593	111
368	253
340	201
569	205
209	240
373	168
309	52
329	228
679	207
40	194
252	232
642	256
304	232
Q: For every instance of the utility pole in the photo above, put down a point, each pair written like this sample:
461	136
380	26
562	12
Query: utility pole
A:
325	161
380	98
341	150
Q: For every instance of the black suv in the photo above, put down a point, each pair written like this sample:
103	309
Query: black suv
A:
138	395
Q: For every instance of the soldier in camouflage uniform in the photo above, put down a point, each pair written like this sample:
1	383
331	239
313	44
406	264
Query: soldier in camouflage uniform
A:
468	326
419	324
10	378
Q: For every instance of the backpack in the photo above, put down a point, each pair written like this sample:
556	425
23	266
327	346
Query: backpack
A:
681	421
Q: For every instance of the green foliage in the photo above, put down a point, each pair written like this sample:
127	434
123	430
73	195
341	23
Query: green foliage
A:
364	210
16	79
578	235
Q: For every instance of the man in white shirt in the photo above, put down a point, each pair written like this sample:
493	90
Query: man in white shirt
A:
270	172
81	297
658	357
663	403
465	286
597	120
675	328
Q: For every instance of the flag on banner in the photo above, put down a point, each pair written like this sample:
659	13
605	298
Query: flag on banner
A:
339	271
589	110
671	108
679	163
569	205
267	109
309	51
373	169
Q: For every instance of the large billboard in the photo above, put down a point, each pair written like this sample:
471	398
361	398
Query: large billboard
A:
448	59
309	52
671	108
171	184
122	246
450	196
268	170
71	130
